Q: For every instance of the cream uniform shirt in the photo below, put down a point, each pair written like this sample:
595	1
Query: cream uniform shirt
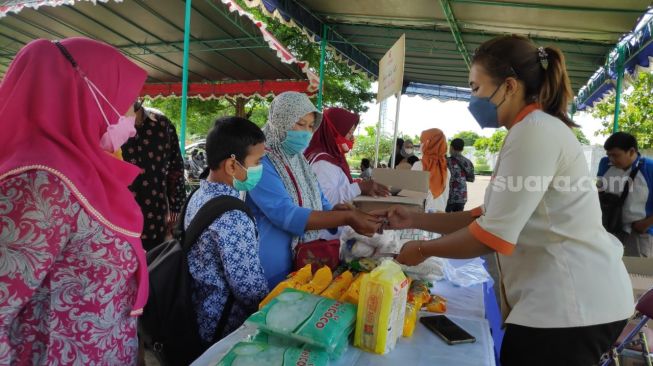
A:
560	268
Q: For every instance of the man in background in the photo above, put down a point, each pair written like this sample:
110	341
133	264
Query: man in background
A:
462	171
637	211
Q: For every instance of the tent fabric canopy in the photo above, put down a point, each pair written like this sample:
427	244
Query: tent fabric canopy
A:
637	56
440	92
245	89
227	44
584	30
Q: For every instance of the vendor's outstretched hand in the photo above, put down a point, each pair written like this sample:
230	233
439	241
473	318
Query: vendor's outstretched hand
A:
411	254
374	189
398	217
364	223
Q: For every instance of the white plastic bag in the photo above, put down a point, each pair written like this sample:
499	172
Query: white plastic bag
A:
466	273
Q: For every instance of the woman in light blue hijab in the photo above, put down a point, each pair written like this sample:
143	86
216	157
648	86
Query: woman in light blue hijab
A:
287	203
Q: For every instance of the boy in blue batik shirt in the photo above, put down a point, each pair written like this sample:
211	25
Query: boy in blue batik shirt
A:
225	260
623	156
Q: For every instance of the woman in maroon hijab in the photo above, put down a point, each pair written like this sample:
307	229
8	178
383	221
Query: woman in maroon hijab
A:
326	154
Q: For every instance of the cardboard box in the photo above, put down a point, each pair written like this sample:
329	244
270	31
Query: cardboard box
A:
412	187
641	274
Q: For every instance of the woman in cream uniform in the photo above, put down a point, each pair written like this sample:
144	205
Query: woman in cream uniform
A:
566	292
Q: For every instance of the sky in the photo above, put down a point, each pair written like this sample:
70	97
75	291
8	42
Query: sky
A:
418	114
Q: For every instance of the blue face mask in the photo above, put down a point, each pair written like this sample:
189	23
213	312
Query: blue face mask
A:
296	142
254	174
484	111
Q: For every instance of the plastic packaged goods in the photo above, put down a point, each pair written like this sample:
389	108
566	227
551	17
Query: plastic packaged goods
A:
307	318
320	281
295	280
381	308
353	292
339	286
418	294
273	340
438	304
257	354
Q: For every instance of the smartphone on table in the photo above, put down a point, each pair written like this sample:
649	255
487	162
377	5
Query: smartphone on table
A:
446	329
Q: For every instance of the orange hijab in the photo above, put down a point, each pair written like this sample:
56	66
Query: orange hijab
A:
434	159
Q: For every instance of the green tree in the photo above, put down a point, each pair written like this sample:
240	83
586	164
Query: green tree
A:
581	136
496	140
365	146
202	113
342	87
482	143
469	137
636	113
490	144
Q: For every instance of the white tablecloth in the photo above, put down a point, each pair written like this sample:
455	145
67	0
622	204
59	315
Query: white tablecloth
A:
465	307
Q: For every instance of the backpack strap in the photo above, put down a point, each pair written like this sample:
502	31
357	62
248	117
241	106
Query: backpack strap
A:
205	216
633	173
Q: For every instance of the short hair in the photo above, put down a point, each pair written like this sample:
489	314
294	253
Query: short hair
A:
365	162
231	136
458	144
621	140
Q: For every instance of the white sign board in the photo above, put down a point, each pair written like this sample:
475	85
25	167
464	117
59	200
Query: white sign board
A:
391	70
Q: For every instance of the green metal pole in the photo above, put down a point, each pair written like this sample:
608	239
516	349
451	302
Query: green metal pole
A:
184	78
323	44
619	88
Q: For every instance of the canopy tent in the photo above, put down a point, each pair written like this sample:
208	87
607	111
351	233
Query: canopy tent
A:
439	92
230	54
632	55
440	36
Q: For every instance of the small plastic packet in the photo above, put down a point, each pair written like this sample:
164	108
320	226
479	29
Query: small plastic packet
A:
438	304
320	281
339	286
353	292
296	280
418	294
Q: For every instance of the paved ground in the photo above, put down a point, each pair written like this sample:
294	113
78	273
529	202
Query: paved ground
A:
476	191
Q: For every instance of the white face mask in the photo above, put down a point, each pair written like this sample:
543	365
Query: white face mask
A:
409	151
116	134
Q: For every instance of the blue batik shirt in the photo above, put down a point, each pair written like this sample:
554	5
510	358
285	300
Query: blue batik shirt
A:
224	260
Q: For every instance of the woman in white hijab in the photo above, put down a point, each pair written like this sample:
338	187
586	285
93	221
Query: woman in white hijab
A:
287	203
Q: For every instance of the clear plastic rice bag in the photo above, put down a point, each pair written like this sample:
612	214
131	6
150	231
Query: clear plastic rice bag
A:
257	354
273	340
307	318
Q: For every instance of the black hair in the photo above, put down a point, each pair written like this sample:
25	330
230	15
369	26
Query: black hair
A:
138	104
365	163
621	140
412	159
458	144
231	136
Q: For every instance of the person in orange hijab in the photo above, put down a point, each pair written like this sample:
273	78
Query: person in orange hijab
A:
434	160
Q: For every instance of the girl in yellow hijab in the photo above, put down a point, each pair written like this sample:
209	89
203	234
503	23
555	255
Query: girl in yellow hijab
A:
434	160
